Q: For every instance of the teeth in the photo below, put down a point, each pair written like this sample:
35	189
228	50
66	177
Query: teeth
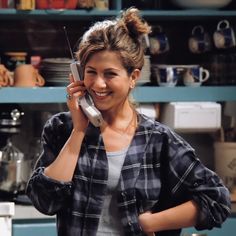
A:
103	94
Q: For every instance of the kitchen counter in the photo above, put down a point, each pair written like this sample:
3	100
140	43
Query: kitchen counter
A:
28	221
7	210
29	212
234	209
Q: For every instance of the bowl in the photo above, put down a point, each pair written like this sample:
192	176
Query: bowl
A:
201	3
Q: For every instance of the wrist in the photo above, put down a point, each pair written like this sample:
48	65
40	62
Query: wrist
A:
77	132
146	222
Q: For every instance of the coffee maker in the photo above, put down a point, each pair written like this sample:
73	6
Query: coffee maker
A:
10	121
13	166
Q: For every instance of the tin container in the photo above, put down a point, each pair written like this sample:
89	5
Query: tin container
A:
25	4
102	5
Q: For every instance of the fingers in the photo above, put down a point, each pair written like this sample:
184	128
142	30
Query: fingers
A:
150	234
71	78
75	89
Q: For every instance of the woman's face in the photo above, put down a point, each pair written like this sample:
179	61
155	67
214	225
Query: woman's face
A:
107	81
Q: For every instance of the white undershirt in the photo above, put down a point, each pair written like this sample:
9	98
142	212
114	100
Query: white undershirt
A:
110	223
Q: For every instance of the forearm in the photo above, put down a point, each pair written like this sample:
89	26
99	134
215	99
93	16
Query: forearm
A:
63	167
184	215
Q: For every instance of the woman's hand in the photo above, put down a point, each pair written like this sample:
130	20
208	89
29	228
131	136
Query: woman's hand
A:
180	216
144	220
75	90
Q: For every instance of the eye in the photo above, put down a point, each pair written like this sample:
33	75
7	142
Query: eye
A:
110	74
91	72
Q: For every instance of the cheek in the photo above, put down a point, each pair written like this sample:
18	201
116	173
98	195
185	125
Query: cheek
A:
87	82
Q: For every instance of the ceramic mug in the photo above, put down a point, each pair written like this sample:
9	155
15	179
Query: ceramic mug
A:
27	76
4	81
159	42
5	77
224	36
167	75
195	75
199	42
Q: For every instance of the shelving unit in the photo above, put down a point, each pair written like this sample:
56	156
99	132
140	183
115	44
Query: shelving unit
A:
142	94
13	14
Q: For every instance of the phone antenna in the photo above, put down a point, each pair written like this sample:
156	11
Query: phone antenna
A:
68	42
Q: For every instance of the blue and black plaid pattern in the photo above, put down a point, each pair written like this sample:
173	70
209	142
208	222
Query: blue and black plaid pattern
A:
160	171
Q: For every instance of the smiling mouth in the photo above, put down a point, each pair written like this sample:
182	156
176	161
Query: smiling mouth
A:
101	94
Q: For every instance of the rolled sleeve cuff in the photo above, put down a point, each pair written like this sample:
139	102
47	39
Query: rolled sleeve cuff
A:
210	216
55	187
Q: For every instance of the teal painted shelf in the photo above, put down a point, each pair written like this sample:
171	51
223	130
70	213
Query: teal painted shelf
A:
12	14
141	94
174	94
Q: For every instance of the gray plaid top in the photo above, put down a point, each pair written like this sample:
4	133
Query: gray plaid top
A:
160	171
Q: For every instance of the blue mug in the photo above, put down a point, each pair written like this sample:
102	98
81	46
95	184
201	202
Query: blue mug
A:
224	36
199	42
159	42
167	75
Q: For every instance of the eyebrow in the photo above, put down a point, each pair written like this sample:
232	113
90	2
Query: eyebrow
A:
90	67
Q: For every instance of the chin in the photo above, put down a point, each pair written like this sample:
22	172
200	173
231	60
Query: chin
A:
101	108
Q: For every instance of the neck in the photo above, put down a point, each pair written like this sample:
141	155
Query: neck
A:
123	112
122	122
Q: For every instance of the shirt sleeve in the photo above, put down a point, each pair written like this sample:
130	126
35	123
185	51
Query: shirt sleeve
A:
188	176
49	195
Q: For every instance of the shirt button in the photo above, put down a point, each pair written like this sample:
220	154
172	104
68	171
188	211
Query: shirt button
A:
130	223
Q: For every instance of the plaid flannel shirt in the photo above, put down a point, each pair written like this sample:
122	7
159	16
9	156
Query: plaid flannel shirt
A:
160	171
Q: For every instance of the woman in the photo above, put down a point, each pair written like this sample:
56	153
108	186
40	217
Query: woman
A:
131	176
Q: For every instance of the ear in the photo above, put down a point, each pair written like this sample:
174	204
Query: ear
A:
134	77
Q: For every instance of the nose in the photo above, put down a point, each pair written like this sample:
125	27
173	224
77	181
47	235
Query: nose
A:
100	82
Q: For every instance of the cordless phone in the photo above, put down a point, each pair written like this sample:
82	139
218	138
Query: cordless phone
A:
85	102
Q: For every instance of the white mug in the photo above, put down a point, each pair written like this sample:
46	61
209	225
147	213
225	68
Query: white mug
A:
195	75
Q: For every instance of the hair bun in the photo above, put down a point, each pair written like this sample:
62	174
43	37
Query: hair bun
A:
135	25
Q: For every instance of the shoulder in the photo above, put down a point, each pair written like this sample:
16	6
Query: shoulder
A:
162	133
59	123
59	119
154	125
